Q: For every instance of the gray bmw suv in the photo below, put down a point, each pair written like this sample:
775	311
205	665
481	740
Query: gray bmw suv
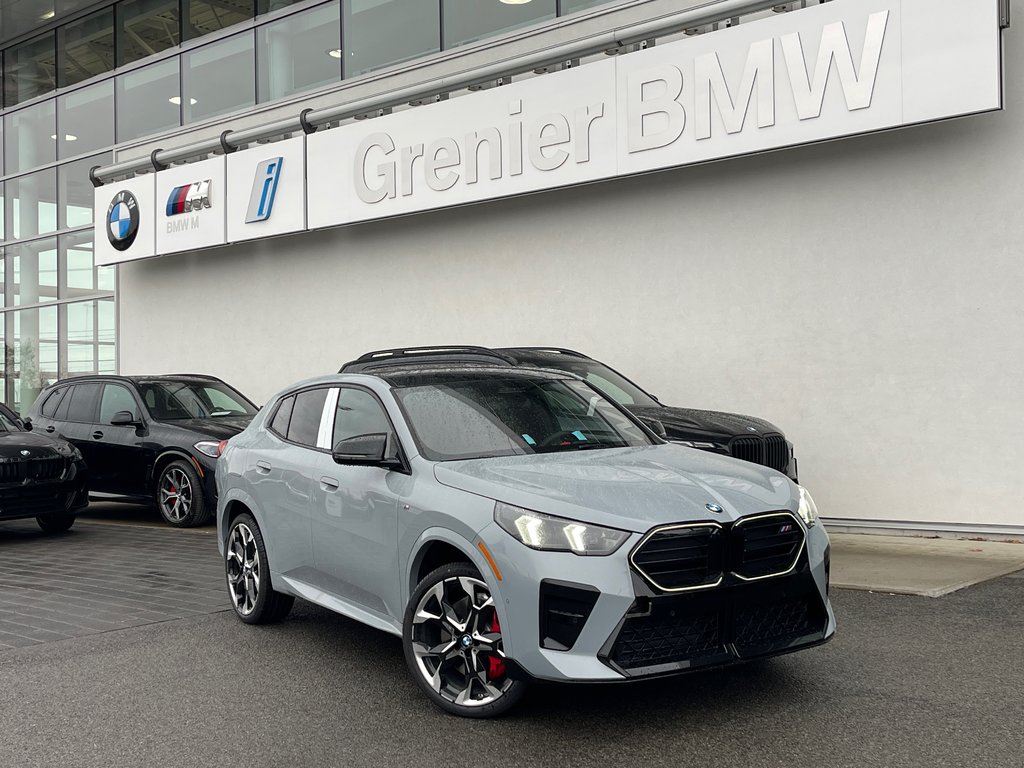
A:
513	525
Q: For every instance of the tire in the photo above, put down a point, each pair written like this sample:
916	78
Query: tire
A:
247	570
179	495
56	523
451	661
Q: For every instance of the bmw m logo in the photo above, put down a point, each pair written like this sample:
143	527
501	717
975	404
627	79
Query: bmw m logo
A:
191	197
713	508
123	220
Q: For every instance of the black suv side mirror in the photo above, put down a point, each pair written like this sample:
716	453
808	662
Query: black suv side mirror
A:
364	451
26	424
656	427
124	419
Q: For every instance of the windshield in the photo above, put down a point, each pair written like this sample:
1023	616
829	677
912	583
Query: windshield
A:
479	417
617	387
174	400
6	425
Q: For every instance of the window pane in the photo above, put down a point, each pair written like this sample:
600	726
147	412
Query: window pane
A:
83	402
147	27
2	171
75	191
34	354
205	16
86	119
87	47
90	337
571	6
299	52
383	32
466	21
80	277
305	422
358	413
2	215
3	296
116	398
148	100
32	204
30	137
220	77
279	424
29	69
33	271
266	6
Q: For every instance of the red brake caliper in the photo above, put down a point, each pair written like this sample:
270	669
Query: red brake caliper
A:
495	665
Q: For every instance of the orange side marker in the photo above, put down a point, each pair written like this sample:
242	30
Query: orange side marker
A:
490	561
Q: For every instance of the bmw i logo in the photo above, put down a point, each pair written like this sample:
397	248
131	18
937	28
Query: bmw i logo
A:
713	508
123	220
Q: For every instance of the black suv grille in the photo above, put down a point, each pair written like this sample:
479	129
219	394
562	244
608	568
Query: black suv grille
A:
681	557
663	639
766	545
44	469
766	450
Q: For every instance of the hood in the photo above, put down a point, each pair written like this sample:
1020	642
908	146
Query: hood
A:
692	424
13	443
217	427
629	488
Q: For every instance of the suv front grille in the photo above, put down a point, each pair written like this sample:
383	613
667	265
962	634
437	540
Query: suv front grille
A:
758	626
41	469
767	450
679	558
663	638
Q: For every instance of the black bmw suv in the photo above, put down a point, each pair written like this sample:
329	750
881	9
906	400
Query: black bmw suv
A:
147	437
743	437
41	477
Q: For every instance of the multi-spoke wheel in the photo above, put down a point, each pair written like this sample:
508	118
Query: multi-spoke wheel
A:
453	644
248	575
179	495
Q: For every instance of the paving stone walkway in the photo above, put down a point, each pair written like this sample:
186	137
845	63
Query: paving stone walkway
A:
100	577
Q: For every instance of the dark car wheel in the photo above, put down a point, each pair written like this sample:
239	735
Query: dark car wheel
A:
179	495
57	523
245	562
453	646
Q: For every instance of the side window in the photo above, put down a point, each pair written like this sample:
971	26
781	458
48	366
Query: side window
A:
50	406
116	397
358	413
279	424
305	422
82	402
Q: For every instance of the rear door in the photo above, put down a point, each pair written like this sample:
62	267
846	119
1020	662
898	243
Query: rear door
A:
74	421
119	449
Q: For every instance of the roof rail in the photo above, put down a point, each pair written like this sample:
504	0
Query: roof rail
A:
557	350
398	356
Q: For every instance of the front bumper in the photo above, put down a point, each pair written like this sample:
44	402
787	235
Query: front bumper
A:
634	631
66	496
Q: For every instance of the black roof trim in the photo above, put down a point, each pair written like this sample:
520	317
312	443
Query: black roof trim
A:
386	358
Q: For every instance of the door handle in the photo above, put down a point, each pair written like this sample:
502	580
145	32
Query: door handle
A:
263	467
329	484
50	428
97	435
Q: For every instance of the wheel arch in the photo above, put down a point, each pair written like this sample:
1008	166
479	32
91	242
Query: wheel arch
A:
166	457
235	502
437	547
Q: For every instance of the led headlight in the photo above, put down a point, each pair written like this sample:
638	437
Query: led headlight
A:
69	451
209	448
808	509
556	534
694	444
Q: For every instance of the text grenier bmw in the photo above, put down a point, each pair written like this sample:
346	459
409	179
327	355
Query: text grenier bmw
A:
713	197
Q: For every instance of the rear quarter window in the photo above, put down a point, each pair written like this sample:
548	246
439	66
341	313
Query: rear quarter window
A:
279	424
49	407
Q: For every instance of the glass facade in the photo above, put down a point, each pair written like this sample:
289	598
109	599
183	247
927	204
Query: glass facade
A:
137	68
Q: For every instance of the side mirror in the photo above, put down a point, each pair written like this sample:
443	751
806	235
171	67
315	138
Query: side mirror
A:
124	419
656	427
364	451
26	424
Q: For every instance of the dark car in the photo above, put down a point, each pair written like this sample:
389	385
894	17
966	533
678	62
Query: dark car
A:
743	437
148	437
41	477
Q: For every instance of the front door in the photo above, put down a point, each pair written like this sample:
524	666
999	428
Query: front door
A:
355	512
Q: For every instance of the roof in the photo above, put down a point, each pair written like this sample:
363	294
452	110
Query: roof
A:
416	375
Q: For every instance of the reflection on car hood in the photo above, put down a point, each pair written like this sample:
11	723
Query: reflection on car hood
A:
13	443
628	488
692	424
217	427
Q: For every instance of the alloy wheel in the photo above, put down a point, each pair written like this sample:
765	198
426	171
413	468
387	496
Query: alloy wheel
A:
456	641
175	494
243	561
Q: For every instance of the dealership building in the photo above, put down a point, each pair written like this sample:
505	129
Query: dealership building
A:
711	197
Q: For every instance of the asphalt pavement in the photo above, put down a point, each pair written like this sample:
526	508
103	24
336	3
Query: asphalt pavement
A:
908	681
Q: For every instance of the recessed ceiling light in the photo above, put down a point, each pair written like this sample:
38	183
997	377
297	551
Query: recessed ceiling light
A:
176	100
67	137
334	53
515	2
47	15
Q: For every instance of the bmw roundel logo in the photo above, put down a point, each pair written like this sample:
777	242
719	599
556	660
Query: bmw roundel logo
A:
123	220
751	429
26	453
713	508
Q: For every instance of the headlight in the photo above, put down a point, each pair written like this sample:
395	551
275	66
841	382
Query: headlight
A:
70	451
808	509
556	534
693	444
208	447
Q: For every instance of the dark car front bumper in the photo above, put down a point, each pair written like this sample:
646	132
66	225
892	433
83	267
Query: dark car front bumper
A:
68	495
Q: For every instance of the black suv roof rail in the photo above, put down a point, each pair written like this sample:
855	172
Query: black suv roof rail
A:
401	355
557	350
182	376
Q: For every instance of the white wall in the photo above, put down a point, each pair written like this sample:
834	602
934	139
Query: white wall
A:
865	295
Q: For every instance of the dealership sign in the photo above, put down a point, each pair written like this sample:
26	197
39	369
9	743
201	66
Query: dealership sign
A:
837	69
